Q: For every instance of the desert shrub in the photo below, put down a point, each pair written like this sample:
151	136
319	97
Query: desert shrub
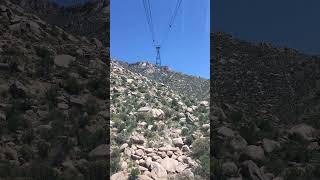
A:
97	170
189	140
43	149
275	164
150	134
293	173
130	124
72	86
134	174
204	169
295	151
58	120
98	137
98	87
147	117
26	152
92	106
216	169
121	138
248	132
8	169
115	160
147	97
184	131
82	71
83	121
52	93
14	122
46	61
41	171
142	89
236	117
43	52
200	147
27	136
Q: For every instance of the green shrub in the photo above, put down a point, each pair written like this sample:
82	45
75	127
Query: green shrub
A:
52	93
204	169
248	132
26	152
14	122
41	171
92	106
43	149
236	117
97	170
134	174
184	131
115	161
189	140
121	138
98	87
72	86
200	147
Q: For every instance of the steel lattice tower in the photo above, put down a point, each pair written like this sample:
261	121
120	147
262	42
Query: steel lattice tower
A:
158	59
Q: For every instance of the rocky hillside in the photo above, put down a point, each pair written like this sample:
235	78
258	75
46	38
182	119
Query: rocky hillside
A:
90	19
186	85
156	133
265	116
53	102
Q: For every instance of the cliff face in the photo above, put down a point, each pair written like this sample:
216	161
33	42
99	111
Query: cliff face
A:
267	126
263	79
88	19
53	100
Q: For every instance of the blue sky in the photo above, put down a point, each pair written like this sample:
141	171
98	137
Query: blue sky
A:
285	23
187	48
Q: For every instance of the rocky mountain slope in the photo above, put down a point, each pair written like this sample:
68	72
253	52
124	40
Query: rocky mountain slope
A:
90	19
265	115
53	104
156	133
186	85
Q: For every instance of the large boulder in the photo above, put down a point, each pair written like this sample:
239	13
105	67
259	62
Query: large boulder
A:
120	176
138	139
170	165
144	177
101	151
145	109
225	132
270	145
63	60
251	169
17	89
185	175
178	142
254	153
304	131
158	172
238	143
157	113
229	169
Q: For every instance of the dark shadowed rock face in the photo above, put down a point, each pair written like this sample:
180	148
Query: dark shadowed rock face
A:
264	111
53	100
88	19
263	79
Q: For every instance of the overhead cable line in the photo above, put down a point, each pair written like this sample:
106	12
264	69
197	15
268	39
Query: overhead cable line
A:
147	9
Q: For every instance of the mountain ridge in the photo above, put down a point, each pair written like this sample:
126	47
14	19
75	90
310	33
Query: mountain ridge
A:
190	85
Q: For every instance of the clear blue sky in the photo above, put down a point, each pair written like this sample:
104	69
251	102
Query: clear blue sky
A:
187	48
290	23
